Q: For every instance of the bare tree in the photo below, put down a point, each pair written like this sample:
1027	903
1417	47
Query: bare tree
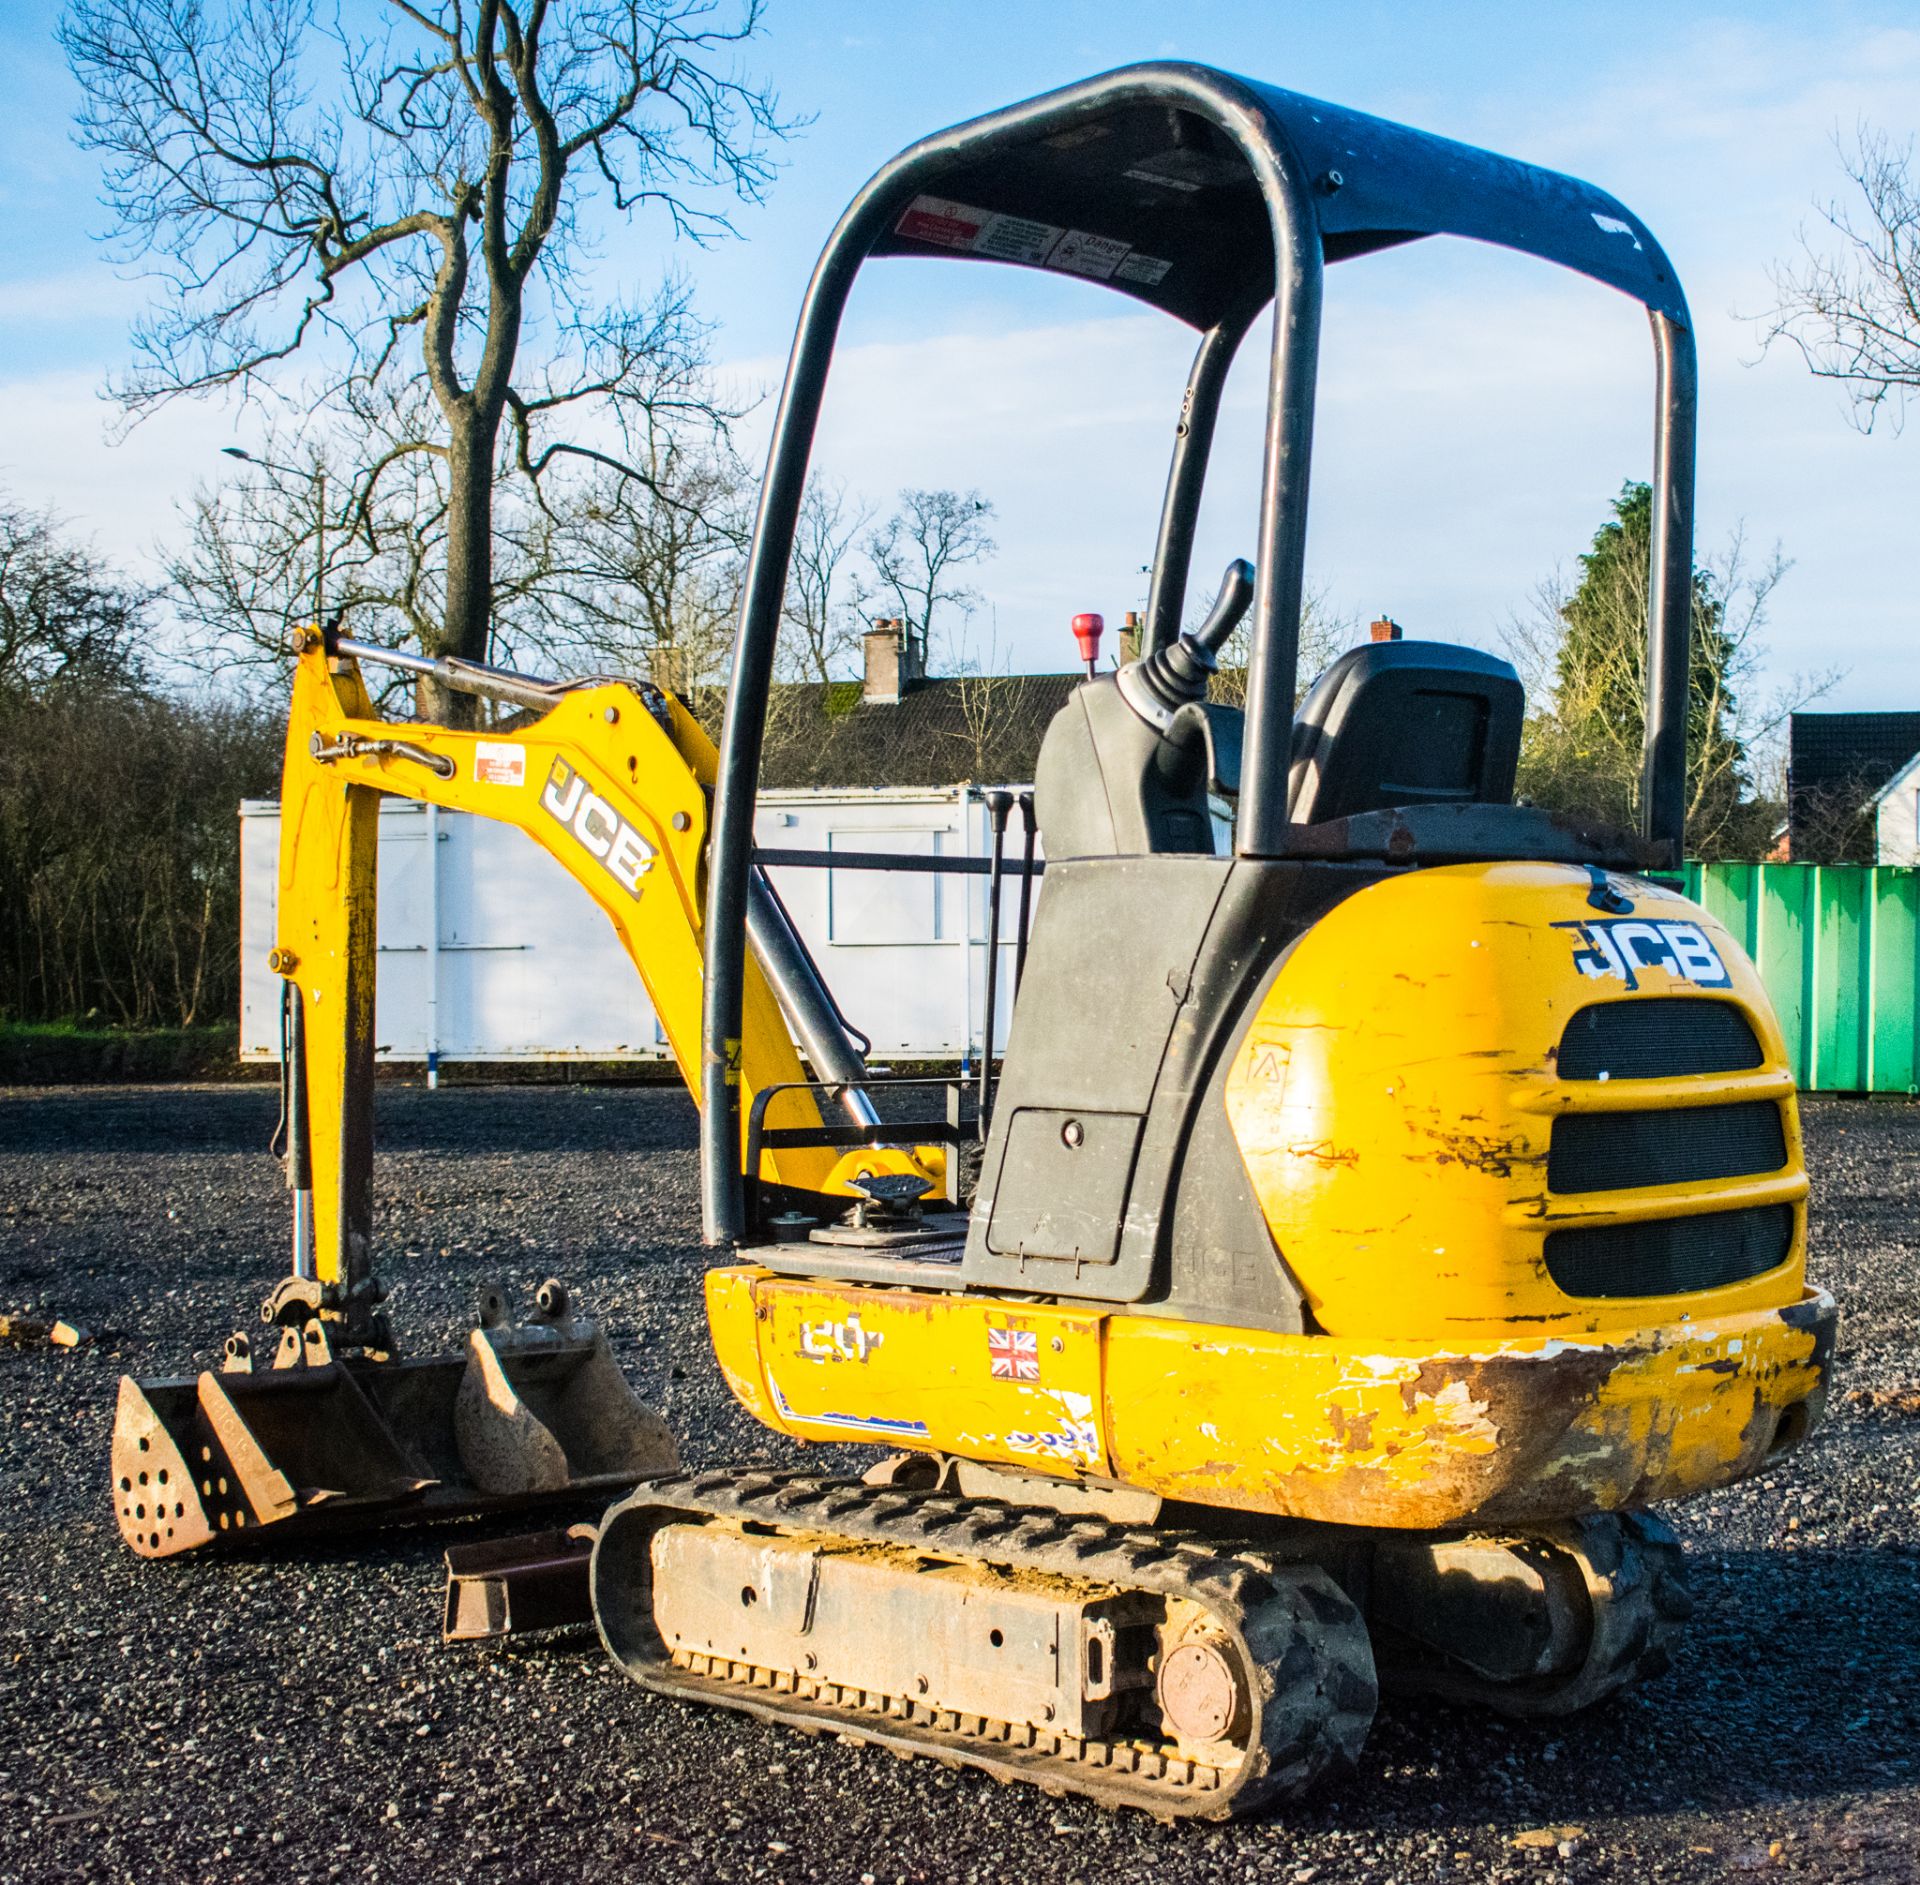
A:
643	574
1834	823
119	850
821	616
119	878
982	691
1851	303
1323	635
917	554
64	614
435	182
599	567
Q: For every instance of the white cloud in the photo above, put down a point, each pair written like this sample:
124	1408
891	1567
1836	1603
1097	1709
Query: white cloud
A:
55	452
76	294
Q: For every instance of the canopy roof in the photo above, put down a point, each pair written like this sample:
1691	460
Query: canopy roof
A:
1145	179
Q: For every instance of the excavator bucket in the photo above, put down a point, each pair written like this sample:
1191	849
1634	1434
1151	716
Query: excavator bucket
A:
325	1441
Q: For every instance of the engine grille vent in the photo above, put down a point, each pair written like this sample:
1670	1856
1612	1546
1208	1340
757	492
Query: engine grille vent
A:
1668	1145
1663	1037
1671	1256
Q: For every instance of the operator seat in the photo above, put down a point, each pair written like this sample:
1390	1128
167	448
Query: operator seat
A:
1395	723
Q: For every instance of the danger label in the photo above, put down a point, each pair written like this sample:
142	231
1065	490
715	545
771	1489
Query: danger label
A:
967	230
499	762
1082	253
949	225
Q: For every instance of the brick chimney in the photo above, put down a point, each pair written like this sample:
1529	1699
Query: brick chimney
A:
1130	637
1385	629
669	669
894	661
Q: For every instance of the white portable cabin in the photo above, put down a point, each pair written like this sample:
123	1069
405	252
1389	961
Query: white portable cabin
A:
489	951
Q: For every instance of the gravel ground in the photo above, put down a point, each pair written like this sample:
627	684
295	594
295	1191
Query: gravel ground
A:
297	1718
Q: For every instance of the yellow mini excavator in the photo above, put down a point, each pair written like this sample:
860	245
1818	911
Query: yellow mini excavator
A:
1411	1200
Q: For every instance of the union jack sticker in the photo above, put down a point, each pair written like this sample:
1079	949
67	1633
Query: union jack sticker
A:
1012	1354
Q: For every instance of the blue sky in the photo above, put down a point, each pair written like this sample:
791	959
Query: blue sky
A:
1477	410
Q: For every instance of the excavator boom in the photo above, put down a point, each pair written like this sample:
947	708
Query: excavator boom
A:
325	1425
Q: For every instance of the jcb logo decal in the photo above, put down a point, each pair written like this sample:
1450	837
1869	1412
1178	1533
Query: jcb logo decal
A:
1624	948
599	828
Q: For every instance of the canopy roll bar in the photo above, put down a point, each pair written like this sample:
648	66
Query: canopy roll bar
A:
1209	196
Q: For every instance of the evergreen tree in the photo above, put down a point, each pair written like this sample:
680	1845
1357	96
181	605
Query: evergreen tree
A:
1585	753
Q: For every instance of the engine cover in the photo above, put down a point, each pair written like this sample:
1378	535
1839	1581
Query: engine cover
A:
1497	1096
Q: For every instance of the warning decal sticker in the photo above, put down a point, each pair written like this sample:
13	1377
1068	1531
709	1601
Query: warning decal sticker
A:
944	224
949	225
499	762
1080	253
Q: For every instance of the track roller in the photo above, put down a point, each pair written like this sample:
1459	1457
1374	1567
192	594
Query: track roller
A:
1137	1668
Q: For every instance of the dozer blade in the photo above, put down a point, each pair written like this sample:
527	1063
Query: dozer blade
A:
529	1416
513	1586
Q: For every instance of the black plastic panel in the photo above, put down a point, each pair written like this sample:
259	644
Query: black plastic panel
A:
1063	1186
1395	723
1671	1256
1663	1037
1668	1145
1108	973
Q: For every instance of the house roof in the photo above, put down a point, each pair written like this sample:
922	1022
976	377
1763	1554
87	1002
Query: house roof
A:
1845	755
1908	776
952	731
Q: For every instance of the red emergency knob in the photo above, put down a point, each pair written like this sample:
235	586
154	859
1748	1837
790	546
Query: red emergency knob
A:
1086	631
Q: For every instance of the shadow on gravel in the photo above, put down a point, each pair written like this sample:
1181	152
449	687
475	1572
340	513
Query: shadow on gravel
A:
510	1120
91	1121
1794	1682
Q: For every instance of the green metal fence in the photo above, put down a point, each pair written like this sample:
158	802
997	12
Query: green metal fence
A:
1838	946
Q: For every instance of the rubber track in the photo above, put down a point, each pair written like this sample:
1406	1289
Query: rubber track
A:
1636	1584
1303	1647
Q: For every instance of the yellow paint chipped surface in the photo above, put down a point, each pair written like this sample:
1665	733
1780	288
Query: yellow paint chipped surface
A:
897	1367
1317	1428
1304	1426
1395	1095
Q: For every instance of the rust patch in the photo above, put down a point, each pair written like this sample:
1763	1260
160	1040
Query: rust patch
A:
1355	1435
1325	1152
1495	1156
1531	1407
